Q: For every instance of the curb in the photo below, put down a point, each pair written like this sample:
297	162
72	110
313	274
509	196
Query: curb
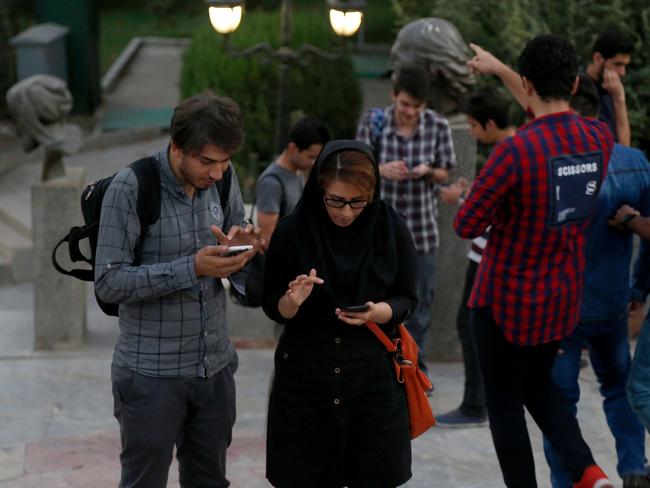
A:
128	53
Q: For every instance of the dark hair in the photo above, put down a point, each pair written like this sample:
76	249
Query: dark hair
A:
205	119
308	131
488	104
550	62
353	167
585	100
612	42
414	80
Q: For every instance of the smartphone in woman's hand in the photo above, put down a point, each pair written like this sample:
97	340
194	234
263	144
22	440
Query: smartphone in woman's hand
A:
356	308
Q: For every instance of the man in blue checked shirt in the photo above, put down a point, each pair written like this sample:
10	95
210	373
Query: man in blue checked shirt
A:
415	151
173	364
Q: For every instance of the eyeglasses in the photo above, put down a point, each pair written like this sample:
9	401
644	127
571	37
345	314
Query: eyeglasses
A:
338	203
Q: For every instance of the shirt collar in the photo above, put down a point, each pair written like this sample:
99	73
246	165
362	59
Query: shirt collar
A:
389	116
168	176
549	118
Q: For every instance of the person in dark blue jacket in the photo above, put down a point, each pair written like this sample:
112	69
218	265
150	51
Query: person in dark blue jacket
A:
606	296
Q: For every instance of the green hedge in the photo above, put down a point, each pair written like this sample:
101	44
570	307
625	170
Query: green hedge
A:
327	89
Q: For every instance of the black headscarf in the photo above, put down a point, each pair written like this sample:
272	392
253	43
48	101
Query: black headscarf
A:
358	262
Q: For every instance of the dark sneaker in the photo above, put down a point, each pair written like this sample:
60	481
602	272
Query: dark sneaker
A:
458	420
636	481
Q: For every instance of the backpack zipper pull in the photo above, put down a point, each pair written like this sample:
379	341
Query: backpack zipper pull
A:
90	190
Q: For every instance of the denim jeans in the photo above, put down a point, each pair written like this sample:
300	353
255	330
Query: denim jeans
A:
638	387
420	321
516	377
609	351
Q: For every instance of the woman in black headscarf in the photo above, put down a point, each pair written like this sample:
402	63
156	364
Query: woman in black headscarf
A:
337	416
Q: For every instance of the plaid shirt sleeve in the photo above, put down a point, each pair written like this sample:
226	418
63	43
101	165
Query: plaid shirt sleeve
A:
445	156
116	279
492	184
364	130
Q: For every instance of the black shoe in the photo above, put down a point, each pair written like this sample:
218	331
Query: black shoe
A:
456	419
636	481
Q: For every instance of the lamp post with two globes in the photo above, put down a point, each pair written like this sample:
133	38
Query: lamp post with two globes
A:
345	19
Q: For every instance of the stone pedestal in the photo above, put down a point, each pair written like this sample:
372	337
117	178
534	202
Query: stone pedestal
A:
443	343
59	301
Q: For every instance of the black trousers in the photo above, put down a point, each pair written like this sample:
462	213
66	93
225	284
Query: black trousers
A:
194	414
474	395
520	376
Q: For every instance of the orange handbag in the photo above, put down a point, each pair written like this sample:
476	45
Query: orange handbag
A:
404	351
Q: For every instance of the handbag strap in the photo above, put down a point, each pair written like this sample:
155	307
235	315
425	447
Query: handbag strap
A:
383	338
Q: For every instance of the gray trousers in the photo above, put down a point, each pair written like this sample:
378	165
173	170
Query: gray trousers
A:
155	414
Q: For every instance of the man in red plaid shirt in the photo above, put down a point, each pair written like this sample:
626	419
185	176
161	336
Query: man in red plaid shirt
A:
537	190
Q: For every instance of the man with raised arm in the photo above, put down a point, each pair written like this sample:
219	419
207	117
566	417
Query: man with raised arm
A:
537	191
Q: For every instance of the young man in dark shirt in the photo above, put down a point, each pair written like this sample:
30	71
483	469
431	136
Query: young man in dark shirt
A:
488	116
611	55
280	186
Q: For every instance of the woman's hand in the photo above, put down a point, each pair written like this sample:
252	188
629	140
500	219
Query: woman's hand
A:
300	288
298	291
379	313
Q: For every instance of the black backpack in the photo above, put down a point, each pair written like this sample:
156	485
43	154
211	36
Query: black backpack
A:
148	209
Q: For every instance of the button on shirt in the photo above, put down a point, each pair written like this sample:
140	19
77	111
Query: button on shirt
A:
531	271
414	200
172	323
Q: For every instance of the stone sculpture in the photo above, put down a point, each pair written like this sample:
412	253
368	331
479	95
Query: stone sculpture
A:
438	45
39	105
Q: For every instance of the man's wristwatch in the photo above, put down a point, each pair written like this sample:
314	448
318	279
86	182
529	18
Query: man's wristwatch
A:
626	220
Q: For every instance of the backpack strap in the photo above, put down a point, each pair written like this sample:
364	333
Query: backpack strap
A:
148	204
73	237
376	128
223	188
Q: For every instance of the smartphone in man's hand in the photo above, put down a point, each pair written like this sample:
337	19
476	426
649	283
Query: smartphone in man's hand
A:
234	250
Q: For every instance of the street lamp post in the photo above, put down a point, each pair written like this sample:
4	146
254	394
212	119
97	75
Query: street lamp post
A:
345	18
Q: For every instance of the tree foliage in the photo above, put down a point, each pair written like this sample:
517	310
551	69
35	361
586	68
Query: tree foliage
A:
504	26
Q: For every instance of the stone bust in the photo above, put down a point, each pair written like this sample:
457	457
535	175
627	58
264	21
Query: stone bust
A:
39	104
438	45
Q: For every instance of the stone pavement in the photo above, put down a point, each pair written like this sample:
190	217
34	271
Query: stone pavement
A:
57	429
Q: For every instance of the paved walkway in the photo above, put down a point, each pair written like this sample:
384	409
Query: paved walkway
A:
57	429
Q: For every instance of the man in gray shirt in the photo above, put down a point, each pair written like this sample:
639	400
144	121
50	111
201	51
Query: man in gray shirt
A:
173	365
280	186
